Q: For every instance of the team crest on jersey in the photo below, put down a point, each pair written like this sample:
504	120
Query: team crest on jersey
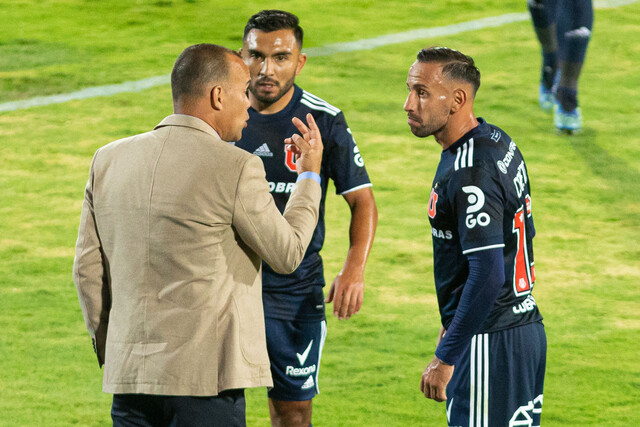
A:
290	160
433	199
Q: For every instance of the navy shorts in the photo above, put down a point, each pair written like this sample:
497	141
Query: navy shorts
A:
498	381
294	350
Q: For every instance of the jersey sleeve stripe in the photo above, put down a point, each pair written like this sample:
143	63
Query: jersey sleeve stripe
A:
321	103
318	101
359	187
483	248
317	107
317	98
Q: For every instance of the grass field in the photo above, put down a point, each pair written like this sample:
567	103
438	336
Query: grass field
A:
586	198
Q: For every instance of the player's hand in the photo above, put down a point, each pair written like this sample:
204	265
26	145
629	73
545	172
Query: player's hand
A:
434	380
346	293
307	146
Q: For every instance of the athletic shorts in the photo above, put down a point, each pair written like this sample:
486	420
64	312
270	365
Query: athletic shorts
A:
294	350
498	381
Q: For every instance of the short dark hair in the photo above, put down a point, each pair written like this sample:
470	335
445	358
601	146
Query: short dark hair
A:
197	66
455	64
274	20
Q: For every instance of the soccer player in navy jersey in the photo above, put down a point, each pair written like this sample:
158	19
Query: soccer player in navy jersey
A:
293	304
563	28
490	358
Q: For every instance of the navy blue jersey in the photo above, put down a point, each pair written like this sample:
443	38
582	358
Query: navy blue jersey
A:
299	295
480	199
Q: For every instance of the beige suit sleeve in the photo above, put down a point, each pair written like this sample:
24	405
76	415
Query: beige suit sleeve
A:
280	240
90	274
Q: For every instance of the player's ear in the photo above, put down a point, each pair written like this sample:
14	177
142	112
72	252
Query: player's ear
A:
215	97
459	99
302	59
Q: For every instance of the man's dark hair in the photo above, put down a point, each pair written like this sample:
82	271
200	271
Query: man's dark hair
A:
274	20
197	66
455	65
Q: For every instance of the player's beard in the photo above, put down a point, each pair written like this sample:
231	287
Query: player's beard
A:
430	125
271	98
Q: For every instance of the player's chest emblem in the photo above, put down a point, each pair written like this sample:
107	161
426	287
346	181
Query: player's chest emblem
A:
433	200
290	160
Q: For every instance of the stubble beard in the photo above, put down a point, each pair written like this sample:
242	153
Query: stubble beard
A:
271	99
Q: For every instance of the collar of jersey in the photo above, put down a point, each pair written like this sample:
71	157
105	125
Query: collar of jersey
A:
478	129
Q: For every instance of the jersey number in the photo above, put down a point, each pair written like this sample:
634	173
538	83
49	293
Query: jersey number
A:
290	160
523	274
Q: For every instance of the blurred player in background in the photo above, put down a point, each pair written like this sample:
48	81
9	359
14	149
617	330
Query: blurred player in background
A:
563	28
294	306
482	231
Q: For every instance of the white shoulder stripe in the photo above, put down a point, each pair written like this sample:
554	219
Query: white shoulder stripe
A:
464	156
318	101
317	107
321	104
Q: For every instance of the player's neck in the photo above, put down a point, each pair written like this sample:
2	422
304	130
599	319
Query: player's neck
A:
276	107
455	129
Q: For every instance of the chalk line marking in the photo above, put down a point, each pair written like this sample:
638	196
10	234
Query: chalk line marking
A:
330	49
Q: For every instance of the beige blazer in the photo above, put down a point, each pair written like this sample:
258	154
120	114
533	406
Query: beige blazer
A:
174	225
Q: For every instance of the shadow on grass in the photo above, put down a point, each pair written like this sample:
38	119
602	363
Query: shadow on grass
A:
623	181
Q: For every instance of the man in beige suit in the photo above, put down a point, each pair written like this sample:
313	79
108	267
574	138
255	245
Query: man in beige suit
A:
174	225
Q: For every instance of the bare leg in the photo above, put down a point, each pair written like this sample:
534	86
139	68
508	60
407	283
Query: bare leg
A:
290	414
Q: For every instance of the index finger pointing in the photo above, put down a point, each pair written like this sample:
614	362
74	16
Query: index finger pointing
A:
304	130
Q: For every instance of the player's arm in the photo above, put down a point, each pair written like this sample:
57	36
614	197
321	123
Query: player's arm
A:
479	208
486	277
90	275
347	289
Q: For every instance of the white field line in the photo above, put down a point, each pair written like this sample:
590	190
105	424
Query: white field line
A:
330	49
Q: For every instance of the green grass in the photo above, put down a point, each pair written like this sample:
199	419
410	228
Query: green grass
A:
586	198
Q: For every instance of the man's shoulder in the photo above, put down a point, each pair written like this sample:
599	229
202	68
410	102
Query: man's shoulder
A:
319	105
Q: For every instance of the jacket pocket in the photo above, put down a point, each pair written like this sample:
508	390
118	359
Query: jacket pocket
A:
252	331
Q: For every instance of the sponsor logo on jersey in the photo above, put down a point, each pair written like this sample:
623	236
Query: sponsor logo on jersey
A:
527	201
440	234
476	202
300	372
263	151
503	164
464	156
433	200
520	179
525	306
522	417
281	187
357	158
